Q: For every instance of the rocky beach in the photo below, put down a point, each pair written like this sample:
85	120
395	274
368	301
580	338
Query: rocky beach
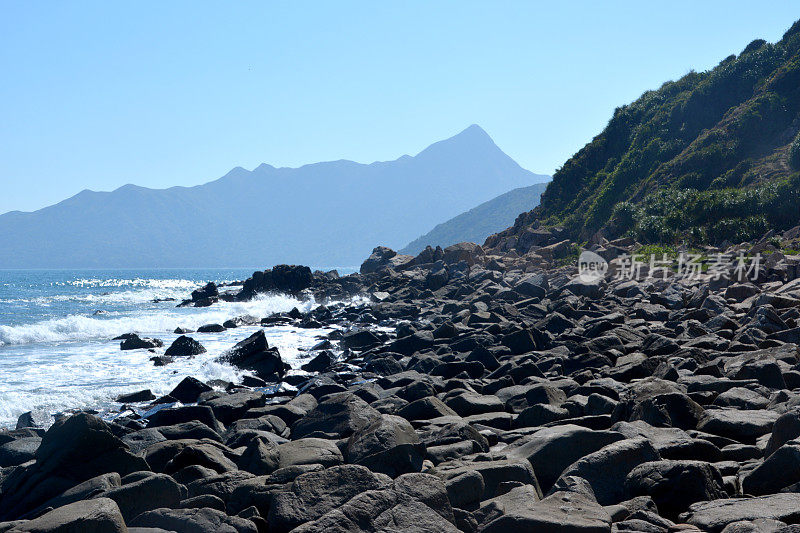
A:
492	388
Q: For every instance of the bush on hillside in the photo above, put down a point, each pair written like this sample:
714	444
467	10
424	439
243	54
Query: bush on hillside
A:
794	153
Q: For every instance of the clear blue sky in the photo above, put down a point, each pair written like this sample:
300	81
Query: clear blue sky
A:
99	94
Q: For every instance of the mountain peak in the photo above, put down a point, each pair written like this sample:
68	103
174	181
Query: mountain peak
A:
472	140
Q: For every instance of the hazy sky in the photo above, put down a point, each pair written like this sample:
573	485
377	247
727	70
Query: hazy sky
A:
99	94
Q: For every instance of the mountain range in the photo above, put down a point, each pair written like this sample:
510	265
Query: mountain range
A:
479	222
323	214
710	157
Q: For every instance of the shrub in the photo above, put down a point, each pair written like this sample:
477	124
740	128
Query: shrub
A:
794	153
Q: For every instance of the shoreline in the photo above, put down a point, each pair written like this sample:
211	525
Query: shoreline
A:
476	390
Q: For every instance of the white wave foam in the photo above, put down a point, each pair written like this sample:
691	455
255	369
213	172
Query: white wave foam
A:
81	327
133	282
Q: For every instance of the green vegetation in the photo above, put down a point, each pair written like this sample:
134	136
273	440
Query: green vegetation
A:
716	215
794	153
702	159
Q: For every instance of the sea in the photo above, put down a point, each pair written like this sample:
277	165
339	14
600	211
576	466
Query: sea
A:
57	352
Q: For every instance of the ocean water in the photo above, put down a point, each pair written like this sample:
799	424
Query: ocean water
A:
56	330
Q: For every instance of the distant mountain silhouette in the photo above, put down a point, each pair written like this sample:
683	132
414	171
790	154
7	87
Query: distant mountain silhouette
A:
481	221
323	214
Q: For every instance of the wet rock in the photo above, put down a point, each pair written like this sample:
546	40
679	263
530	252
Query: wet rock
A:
184	346
135	342
255	354
145	395
189	390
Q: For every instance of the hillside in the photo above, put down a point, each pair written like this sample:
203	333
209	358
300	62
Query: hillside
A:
481	221
323	214
707	158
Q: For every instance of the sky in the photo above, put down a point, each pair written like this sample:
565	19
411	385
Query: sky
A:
96	95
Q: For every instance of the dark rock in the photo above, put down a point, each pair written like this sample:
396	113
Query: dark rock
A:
100	515
778	471
211	328
524	341
338	414
260	457
380	257
190	413
389	445
320	362
561	511
674	485
189	390
145	395
185	346
551	450
786	428
18	451
151	491
193	521
290	279
714	515
254	353
303	503
73	450
135	342
32	419
607	468
742	426
425	409
309	451
415	503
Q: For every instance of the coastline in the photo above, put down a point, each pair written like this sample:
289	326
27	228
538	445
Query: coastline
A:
472	389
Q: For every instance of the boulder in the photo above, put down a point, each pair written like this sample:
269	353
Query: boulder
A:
742	426
150	491
290	279
309	451
135	342
674	485
380	257
313	494
468	252
185	346
607	468
193	520
18	451
255	354
189	390
713	516
414	503
144	395
337	414
73	450
100	515
786	428
551	450
389	445
778	471
562	511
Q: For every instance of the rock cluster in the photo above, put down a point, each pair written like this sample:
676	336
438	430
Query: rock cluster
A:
477	390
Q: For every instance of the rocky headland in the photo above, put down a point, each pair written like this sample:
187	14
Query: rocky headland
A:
476	388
